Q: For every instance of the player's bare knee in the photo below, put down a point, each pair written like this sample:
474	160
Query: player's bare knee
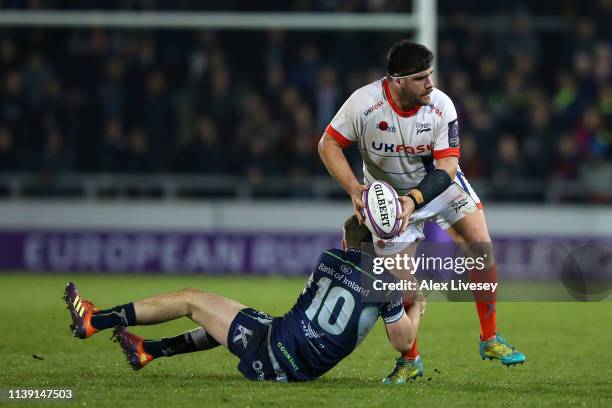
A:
190	295
189	291
197	299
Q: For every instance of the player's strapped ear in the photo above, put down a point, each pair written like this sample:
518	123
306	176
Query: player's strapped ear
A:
429	188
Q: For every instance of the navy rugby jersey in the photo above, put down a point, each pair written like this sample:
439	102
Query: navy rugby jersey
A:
331	316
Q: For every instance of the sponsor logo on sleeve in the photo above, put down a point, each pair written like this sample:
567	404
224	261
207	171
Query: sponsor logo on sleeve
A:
372	108
394	304
453	133
263	315
435	109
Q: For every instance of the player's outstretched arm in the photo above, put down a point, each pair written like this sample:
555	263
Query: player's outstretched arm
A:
402	333
338	167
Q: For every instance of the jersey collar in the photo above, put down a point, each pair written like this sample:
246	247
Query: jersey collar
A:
397	109
359	252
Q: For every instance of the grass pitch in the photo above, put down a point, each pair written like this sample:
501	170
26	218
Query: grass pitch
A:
568	348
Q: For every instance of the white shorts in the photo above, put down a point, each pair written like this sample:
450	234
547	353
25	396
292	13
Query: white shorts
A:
454	203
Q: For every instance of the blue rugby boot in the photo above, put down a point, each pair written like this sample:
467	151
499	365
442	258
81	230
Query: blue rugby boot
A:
498	348
405	370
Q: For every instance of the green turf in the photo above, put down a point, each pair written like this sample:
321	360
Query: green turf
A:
568	348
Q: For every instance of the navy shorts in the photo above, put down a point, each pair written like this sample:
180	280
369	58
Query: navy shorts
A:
249	340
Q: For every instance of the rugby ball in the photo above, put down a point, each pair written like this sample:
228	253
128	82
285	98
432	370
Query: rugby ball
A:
382	210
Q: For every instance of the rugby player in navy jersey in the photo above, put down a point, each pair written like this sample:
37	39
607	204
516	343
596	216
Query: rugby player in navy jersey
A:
330	318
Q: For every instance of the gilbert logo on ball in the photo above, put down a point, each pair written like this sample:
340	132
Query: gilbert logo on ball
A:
382	210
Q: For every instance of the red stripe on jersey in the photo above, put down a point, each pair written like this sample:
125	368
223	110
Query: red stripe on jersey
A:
342	141
397	109
451	151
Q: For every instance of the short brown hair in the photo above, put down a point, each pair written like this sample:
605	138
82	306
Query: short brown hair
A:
355	234
407	57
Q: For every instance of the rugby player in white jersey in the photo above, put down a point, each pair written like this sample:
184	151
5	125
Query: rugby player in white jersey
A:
408	135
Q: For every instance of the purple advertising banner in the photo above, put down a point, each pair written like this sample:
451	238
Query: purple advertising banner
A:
166	252
225	253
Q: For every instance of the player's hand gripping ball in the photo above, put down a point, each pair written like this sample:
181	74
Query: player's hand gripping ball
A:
382	210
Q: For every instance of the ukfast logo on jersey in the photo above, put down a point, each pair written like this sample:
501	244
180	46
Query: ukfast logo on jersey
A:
393	148
372	108
384	126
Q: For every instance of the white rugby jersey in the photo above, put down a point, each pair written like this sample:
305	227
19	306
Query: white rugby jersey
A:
396	146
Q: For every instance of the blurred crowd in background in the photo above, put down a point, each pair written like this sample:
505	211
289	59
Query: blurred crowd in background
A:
544	7
532	105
